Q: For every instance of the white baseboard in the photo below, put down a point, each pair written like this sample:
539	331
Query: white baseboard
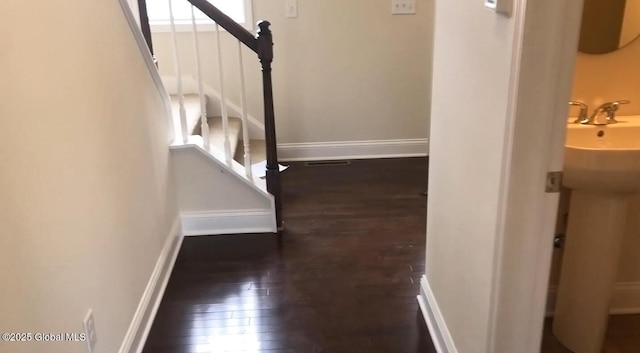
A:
353	150
625	299
148	307
438	329
228	222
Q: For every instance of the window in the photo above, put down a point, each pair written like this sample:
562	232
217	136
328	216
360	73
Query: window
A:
158	11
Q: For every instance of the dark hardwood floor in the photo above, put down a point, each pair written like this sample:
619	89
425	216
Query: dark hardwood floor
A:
343	278
623	336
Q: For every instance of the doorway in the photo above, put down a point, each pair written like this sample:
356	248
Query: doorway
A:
490	221
579	325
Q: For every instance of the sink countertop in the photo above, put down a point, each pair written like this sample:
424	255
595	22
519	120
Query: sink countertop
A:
624	135
604	158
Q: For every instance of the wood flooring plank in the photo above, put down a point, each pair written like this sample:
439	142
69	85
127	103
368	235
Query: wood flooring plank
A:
342	278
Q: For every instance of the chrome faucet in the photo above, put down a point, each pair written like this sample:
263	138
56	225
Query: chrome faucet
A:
582	116
603	115
610	109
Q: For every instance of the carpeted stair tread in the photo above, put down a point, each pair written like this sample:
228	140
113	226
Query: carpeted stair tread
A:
216	135
258	151
192	112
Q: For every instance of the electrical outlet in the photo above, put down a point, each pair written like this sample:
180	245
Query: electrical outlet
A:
90	330
291	10
403	7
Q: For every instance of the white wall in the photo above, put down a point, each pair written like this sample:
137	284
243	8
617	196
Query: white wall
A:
472	55
497	84
202	188
343	70
629	270
631	23
87	198
604	78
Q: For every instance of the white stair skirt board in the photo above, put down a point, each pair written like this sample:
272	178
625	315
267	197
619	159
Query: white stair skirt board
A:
213	197
228	222
140	326
625	299
353	150
149	62
218	157
438	330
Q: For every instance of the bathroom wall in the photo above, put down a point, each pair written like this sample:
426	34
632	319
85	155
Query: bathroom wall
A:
630	261
598	79
609	77
630	27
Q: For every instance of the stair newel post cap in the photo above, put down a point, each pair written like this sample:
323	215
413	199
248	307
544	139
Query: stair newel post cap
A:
265	42
263	28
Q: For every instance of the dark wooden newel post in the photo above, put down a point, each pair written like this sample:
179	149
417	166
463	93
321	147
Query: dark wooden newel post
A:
265	54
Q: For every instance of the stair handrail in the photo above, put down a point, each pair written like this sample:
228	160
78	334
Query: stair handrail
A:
261	44
226	22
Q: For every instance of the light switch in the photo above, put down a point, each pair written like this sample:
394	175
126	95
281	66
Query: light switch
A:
291	10
499	6
403	7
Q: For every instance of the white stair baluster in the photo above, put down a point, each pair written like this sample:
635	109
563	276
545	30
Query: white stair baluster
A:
245	125
204	124
176	59
223	101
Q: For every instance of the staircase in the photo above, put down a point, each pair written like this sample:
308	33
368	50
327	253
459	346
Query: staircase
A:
227	182
193	113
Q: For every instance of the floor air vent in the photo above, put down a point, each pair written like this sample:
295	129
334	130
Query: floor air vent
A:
326	163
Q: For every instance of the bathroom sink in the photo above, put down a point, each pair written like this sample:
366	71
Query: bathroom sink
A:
602	167
603	158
